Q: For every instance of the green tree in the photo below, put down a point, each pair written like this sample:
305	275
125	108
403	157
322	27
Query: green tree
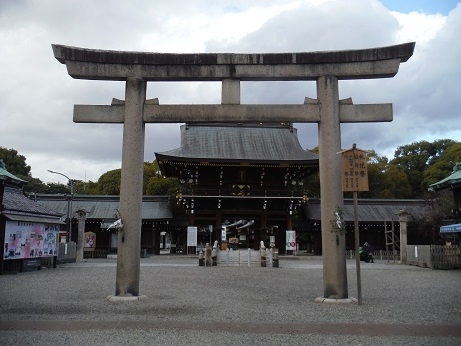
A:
414	159
33	185
56	188
312	185
15	163
377	166
163	186
151	170
385	180
109	182
86	188
443	166
395	183
424	229
312	182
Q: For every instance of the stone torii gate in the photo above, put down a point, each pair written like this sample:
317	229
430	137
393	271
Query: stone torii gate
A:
326	68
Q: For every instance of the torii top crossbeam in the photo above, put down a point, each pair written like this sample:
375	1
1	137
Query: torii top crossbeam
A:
97	64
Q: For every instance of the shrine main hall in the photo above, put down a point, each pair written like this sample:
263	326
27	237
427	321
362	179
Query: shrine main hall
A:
246	180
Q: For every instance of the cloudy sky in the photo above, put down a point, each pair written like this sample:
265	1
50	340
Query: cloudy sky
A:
37	95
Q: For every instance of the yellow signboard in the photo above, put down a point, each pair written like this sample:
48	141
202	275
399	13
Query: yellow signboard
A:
354	169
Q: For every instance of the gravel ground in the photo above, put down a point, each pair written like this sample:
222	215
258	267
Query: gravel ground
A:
188	304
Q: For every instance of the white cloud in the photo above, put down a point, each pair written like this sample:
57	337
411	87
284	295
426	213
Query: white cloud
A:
419	27
37	94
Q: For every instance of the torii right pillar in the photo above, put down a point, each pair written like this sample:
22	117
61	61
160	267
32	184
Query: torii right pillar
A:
332	112
331	193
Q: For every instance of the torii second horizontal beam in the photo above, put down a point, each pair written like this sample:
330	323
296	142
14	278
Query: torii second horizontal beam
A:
307	113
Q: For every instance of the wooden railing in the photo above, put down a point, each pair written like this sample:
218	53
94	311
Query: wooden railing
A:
378	254
446	256
425	256
435	256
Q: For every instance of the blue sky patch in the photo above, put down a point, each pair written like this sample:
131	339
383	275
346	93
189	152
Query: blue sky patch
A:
425	6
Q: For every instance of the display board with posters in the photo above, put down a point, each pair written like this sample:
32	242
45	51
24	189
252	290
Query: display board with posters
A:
30	240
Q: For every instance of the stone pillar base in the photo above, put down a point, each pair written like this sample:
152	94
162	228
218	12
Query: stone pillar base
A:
349	300
127	298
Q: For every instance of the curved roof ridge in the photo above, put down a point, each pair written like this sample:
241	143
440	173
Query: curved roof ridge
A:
452	179
240	143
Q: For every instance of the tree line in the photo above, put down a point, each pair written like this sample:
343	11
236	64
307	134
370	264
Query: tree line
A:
407	175
107	184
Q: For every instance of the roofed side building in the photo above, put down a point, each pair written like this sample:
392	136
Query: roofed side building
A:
452	182
376	216
28	231
101	211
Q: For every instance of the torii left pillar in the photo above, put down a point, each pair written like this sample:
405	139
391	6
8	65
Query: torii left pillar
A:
129	246
333	244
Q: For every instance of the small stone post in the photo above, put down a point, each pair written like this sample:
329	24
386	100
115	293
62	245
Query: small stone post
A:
200	259
262	250
208	261
214	254
81	217
275	260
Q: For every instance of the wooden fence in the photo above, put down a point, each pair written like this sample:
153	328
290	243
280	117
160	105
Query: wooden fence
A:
378	254
434	256
425	256
96	253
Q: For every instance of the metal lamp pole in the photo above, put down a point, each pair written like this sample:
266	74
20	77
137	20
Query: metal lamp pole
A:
69	205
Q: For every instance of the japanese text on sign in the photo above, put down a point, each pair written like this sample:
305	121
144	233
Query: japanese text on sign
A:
355	174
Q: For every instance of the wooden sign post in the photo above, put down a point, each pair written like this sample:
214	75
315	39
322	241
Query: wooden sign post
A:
355	173
355	178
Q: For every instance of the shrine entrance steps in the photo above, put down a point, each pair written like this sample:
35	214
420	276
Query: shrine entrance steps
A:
242	257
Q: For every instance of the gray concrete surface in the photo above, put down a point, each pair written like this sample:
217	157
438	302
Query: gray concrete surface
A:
188	304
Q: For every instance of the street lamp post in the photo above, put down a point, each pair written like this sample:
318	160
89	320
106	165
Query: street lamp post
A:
69	205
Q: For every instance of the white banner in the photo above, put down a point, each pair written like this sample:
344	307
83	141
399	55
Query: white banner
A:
272	240
291	240
192	236
114	240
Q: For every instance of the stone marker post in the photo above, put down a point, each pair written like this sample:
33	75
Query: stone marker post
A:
81	217
404	217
